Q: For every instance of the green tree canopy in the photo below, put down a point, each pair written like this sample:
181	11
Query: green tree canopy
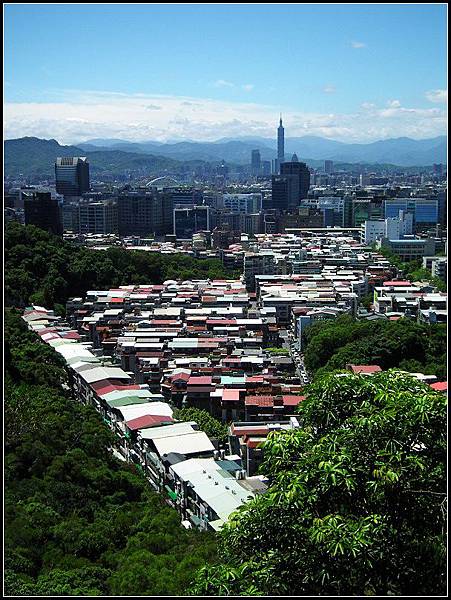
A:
357	499
211	426
333	344
43	269
78	521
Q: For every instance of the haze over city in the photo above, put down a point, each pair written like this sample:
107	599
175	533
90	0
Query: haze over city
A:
204	72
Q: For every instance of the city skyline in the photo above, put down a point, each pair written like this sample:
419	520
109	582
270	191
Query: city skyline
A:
180	72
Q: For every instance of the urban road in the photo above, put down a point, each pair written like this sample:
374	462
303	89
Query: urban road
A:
292	346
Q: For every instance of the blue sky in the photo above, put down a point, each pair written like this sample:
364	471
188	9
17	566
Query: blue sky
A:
349	72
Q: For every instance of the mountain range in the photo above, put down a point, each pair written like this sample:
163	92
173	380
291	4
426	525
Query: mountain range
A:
34	158
402	151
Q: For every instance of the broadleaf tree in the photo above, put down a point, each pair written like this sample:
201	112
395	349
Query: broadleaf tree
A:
356	503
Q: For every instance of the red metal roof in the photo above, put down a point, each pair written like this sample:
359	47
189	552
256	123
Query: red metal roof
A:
71	335
178	376
231	395
148	421
440	386
117	300
397	283
253	443
106	385
42	332
242	430
259	401
292	400
365	368
199	381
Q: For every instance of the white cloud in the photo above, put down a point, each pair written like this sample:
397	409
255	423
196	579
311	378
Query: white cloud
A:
248	87
393	103
79	115
223	83
440	96
358	45
329	89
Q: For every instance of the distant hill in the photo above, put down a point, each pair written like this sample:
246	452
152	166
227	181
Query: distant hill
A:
232	151
33	157
397	151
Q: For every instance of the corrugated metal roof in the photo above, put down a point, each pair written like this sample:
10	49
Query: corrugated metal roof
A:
188	443
99	373
147	421
169	430
134	411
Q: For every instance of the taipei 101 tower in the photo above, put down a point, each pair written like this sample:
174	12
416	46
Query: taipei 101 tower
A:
280	144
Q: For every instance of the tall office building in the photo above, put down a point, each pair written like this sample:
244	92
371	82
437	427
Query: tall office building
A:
43	211
140	213
280	144
285	192
328	166
301	180
266	167
72	175
98	217
256	163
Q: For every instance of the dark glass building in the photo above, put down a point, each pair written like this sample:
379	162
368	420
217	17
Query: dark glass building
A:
302	173
140	213
43	211
290	187
72	175
188	221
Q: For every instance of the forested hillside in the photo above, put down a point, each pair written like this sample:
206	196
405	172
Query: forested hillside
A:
406	344
35	158
77	520
43	269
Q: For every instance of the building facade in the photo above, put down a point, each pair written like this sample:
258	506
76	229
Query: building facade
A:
43	211
72	176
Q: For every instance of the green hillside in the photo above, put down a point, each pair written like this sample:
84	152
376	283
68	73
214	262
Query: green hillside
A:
34	158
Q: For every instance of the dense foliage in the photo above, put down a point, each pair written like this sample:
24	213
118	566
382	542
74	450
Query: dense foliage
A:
77	520
357	498
413	270
43	269
211	426
406	344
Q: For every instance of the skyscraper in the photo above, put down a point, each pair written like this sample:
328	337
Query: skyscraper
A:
280	143
301	173
72	175
256	162
140	213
